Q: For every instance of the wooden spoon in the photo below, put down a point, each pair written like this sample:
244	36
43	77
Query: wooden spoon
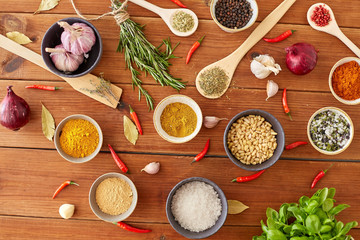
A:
229	63
167	14
332	28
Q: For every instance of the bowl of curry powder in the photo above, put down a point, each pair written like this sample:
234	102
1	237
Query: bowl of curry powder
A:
177	118
78	138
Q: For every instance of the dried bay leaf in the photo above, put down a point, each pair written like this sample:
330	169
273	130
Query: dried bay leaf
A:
236	207
48	123
20	38
130	130
47	5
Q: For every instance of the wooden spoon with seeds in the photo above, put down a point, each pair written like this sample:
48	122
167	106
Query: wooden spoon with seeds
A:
229	63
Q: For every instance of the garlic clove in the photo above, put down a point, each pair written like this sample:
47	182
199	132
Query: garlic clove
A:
152	168
66	211
259	70
212	121
271	89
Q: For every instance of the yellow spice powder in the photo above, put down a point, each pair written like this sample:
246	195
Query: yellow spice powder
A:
114	196
79	138
178	120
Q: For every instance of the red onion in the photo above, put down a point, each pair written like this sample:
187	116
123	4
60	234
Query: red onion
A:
14	111
301	58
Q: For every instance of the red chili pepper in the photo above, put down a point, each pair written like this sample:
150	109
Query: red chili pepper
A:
280	37
136	120
202	153
248	178
62	186
295	144
285	105
131	229
193	48
43	87
118	161
319	176
179	3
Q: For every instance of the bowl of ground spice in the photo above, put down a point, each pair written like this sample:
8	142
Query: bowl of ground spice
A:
177	118
234	15
196	208
344	80
254	140
330	130
78	138
113	197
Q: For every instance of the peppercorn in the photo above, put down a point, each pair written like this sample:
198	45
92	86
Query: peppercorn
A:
233	13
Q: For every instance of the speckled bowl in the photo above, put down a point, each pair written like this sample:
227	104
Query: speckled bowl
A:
351	130
280	139
173	99
341	62
208	232
95	208
58	133
252	20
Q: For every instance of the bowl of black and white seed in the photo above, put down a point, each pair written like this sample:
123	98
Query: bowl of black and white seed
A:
254	140
234	16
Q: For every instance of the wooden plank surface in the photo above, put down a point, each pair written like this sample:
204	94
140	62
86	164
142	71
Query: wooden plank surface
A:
31	169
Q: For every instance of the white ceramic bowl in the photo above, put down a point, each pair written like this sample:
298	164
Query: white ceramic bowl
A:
252	20
351	130
94	206
173	99
57	139
341	62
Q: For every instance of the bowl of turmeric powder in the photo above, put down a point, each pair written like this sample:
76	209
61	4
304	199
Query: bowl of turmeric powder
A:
177	118
78	138
344	80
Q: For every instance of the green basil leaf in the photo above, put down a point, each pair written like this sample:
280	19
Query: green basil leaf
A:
326	236
298	214
271	223
271	213
275	235
264	227
338	227
328	222
348	227
304	201
287	229
321	214
313	223
338	209
331	192
313	204
328	204
298	229
283	213
323	195
325	228
259	238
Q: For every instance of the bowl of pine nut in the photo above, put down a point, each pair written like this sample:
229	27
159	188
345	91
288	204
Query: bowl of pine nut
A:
254	140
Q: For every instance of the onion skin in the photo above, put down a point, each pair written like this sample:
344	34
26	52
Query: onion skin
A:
301	58
14	111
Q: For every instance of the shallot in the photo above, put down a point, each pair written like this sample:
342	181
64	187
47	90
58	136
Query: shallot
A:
63	60
77	38
152	168
14	111
212	121
271	89
301	58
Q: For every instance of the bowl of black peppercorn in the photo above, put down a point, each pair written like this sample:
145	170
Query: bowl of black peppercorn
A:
234	15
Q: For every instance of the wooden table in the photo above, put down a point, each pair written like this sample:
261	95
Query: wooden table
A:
31	169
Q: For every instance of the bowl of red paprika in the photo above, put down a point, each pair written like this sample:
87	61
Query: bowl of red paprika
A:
344	80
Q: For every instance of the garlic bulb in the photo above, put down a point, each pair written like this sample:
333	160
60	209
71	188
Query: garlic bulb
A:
77	38
211	121
271	89
152	168
67	210
262	65
64	61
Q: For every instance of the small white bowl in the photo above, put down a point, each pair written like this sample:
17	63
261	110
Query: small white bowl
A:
173	99
346	117
341	62
94	206
57	139
252	20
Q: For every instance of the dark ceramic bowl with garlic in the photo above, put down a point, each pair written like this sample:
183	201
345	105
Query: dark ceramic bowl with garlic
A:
52	38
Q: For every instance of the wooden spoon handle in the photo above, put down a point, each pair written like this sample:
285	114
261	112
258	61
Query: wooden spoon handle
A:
81	84
339	34
260	31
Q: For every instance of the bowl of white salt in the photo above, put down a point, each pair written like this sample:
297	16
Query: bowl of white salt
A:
196	208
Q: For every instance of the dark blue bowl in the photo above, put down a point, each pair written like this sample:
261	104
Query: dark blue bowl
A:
280	140
208	232
52	39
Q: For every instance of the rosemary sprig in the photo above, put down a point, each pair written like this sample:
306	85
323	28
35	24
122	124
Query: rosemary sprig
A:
140	52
